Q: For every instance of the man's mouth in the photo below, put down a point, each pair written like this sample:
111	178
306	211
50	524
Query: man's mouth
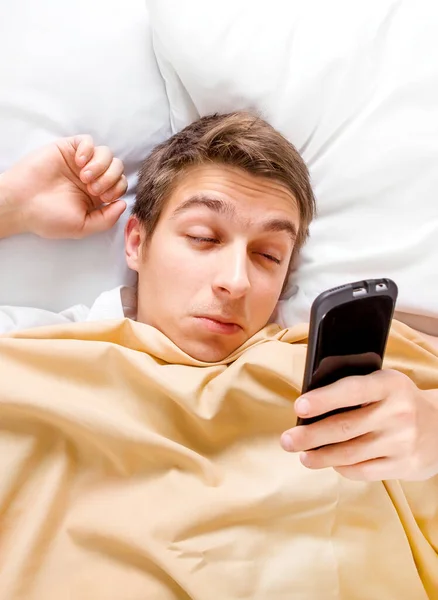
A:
218	324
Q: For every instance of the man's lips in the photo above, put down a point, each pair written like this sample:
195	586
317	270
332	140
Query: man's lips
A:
217	324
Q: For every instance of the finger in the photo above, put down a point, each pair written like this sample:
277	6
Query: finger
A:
349	391
117	191
366	447
84	147
103	218
99	163
108	179
377	469
335	429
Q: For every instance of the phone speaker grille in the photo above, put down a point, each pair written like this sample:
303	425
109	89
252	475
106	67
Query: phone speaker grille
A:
339	287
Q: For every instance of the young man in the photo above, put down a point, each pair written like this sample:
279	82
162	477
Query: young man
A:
222	207
227	201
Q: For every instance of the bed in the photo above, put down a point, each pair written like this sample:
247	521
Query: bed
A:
353	86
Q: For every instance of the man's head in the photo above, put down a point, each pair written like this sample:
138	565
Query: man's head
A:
221	208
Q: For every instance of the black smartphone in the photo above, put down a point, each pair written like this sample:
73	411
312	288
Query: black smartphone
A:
349	327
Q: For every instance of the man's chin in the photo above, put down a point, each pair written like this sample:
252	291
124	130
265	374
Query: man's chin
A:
206	351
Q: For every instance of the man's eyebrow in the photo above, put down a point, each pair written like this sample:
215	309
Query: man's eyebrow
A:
226	208
214	204
281	225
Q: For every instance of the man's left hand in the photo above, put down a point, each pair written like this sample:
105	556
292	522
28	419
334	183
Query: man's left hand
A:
393	434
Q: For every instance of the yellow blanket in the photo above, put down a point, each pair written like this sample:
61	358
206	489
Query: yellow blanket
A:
130	471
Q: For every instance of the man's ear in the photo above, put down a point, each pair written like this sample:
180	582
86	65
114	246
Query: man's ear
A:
133	243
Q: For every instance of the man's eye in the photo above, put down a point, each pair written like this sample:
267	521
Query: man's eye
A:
272	258
203	240
207	240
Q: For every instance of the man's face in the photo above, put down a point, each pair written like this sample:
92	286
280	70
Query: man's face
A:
212	272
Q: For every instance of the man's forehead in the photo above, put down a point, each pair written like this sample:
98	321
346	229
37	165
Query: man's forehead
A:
231	192
229	180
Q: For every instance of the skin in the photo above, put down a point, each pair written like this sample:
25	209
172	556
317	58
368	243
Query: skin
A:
206	262
68	189
392	434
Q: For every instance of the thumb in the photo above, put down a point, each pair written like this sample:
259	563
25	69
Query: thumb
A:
103	218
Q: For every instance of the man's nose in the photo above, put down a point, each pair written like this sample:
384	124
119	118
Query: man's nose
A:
232	274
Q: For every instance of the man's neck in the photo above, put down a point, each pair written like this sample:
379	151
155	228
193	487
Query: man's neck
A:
128	296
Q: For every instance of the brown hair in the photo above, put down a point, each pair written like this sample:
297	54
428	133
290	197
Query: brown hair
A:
238	139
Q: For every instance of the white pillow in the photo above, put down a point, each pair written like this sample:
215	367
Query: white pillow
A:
354	85
75	67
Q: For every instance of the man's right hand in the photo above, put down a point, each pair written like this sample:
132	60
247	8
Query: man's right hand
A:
52	192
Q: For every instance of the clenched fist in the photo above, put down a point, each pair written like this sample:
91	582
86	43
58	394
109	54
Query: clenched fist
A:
68	189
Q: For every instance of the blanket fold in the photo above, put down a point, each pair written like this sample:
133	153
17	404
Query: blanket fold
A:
129	471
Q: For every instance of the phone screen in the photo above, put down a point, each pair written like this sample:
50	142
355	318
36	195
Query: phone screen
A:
351	339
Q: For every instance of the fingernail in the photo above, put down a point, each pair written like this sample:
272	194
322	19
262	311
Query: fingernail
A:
82	160
302	406
304	458
95	188
87	175
286	442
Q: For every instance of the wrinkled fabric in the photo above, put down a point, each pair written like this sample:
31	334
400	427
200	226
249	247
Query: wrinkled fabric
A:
130	471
